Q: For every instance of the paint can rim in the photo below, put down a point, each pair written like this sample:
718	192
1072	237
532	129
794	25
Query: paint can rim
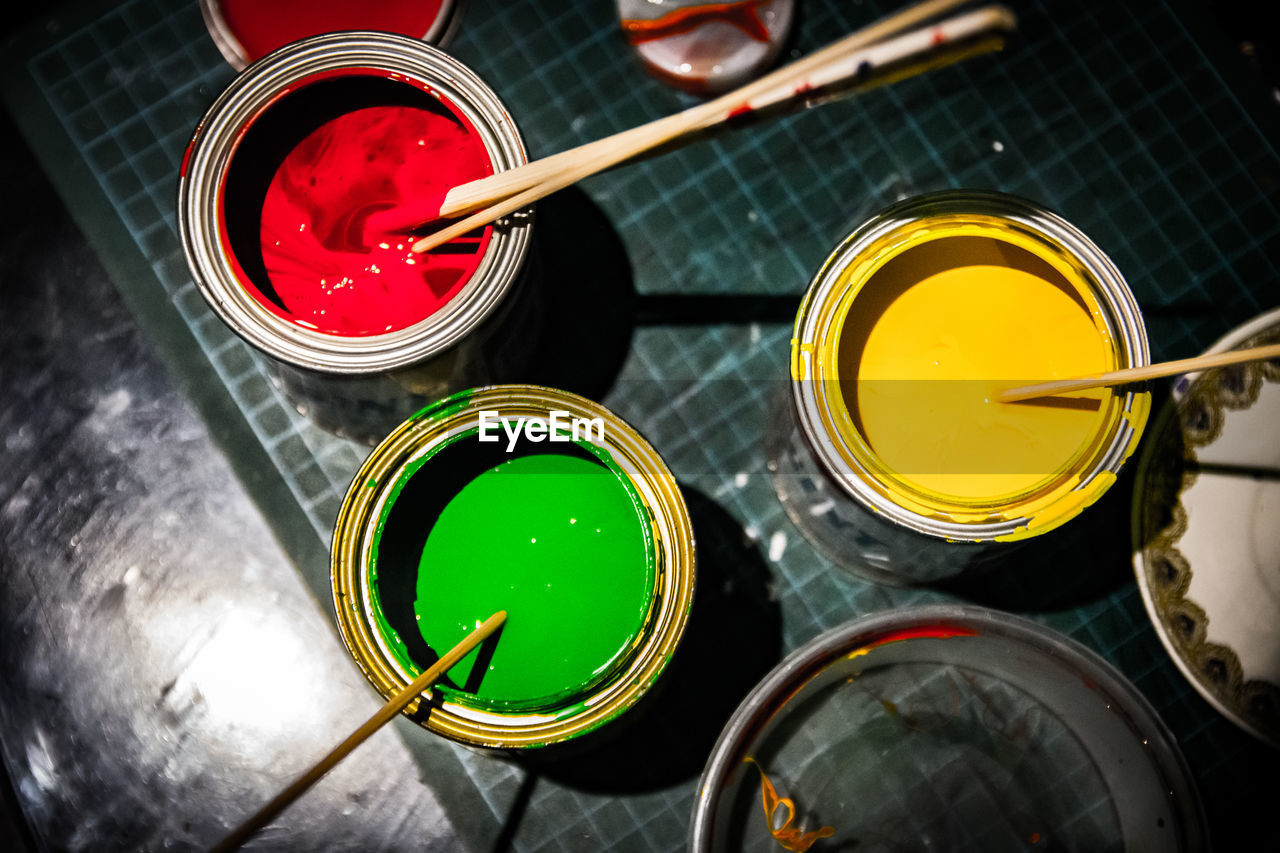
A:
213	146
813	393
672	550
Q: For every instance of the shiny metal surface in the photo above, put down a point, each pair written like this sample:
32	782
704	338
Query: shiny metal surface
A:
165	671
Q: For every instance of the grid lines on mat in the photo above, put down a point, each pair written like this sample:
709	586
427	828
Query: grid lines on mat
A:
1119	123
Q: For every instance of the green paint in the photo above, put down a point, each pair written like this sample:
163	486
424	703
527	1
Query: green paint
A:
443	408
563	545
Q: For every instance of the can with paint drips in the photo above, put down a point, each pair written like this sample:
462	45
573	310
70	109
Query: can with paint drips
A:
861	459
357	385
576	528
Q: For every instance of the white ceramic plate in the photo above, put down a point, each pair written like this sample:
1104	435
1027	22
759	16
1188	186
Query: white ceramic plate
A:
1207	531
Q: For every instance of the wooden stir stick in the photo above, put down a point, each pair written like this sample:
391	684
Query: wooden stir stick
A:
868	48
1137	374
394	706
492	189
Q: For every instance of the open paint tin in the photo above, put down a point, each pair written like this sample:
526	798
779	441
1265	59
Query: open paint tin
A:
247	30
895	456
280	183
529	500
946	728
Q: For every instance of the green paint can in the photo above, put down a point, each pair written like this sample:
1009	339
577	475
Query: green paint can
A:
529	500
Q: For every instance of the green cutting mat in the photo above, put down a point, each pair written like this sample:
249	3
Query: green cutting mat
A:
1118	121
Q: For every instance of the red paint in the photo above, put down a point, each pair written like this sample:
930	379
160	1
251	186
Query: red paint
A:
740	116
937	37
936	632
261	27
329	272
186	155
741	14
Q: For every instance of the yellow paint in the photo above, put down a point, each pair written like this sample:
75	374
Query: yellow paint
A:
789	837
799	352
965	317
928	328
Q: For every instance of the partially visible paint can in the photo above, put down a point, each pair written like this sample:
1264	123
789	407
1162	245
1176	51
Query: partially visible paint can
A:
576	528
359	382
247	30
893	455
922	727
706	47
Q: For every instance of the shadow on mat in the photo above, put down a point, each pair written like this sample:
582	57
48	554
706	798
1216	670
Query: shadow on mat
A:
732	639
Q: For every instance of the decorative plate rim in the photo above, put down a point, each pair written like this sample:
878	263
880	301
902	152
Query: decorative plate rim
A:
1197	411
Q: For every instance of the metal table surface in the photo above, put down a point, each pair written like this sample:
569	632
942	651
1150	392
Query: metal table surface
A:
168	656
